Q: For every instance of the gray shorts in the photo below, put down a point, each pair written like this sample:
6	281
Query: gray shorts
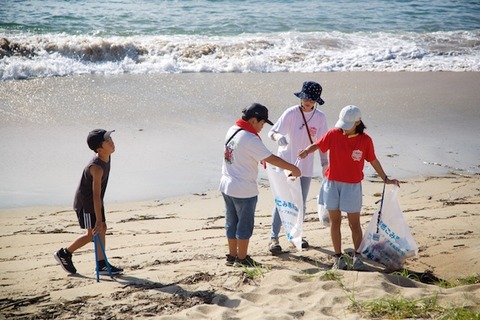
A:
346	197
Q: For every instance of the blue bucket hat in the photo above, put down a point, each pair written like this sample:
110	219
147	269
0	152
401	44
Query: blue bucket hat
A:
312	91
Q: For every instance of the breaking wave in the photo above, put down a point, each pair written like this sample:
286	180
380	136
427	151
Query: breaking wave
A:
33	56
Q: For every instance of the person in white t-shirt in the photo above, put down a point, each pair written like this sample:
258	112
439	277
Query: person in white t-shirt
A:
244	150
298	127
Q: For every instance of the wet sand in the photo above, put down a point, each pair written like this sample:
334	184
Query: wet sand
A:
170	128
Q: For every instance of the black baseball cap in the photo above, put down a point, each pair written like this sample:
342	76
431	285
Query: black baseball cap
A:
258	111
96	137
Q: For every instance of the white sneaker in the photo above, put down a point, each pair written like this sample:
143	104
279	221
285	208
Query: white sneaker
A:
274	246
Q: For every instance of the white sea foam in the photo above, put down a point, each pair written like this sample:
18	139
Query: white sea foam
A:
61	55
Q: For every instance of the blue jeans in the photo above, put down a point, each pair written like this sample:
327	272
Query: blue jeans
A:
276	221
239	216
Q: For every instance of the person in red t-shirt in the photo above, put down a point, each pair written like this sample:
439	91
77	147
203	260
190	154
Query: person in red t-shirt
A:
349	147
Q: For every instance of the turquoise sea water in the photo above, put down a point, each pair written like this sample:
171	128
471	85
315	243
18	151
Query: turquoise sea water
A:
58	38
234	17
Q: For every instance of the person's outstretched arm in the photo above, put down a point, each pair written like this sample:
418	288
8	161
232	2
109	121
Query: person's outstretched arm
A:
305	152
279	162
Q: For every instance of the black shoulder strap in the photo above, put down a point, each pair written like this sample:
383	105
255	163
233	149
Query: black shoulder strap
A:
306	125
233	135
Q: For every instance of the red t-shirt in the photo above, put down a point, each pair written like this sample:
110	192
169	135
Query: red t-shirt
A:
346	155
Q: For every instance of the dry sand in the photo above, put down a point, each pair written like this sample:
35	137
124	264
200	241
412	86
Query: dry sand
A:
173	252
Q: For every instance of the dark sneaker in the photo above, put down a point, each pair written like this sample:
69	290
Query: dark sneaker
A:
230	260
305	244
274	246
65	259
357	262
340	263
113	270
247	262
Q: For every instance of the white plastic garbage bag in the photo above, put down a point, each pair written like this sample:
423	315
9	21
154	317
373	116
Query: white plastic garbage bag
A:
323	215
287	193
388	240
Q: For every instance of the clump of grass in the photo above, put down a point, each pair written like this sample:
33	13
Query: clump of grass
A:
431	279
459	314
474	279
396	308
444	284
257	271
401	308
406	274
313	275
423	308
331	275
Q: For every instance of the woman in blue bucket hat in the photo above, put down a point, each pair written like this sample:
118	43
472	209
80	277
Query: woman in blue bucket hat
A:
298	127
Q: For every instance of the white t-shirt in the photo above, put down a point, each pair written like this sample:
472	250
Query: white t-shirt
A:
240	164
291	125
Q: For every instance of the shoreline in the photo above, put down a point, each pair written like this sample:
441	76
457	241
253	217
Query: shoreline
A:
262	182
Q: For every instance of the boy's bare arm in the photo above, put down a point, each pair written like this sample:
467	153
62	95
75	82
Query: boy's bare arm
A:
97	173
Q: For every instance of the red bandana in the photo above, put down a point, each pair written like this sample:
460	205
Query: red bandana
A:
247	126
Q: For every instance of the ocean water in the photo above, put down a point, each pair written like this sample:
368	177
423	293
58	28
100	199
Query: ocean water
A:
171	76
44	38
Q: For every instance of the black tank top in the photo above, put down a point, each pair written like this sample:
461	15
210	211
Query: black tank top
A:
84	195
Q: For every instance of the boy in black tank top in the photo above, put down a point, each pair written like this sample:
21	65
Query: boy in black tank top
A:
88	203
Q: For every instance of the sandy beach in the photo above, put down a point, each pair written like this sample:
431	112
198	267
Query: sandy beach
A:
170	78
173	252
166	219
